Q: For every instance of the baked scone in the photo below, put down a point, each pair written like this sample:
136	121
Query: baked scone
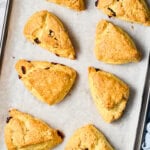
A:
88	138
49	82
113	45
46	30
129	10
109	93
73	4
24	132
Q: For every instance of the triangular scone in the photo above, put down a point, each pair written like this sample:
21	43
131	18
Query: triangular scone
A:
109	93
129	10
47	31
73	4
88	138
49	82
113	45
24	132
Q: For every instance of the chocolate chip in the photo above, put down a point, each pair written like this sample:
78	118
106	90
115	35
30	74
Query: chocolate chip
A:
51	33
86	149
29	61
23	69
62	64
96	3
8	119
47	68
19	77
57	63
37	41
60	134
57	55
55	39
113	13
54	63
97	69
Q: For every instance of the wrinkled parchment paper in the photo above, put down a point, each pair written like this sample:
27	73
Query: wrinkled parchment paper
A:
77	109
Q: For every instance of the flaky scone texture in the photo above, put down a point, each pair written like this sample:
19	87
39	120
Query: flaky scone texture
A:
88	138
109	93
46	30
129	10
113	45
49	82
25	132
77	5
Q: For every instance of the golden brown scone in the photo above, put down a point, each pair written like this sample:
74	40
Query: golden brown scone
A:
88	138
129	10
24	132
109	93
113	45
49	82
73	4
47	31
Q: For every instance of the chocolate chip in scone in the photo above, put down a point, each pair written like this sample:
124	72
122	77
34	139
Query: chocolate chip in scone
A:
55	39
96	3
8	119
51	33
47	68
113	13
97	69
19	77
37	41
57	55
86	149
29	61
60	134
54	63
62	64
23	68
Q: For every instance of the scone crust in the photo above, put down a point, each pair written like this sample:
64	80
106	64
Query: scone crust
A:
113	45
49	82
109	93
129	10
25	132
77	5
46	30
88	138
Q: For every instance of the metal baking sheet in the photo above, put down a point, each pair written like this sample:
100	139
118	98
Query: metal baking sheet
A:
77	109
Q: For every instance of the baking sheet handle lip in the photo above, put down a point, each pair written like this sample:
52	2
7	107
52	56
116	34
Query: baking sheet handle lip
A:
144	110
3	37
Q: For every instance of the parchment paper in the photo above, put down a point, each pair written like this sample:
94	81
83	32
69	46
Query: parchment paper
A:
77	109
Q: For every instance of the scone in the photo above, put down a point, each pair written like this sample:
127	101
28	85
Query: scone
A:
24	132
129	10
113	45
109	93
46	30
73	4
49	82
88	138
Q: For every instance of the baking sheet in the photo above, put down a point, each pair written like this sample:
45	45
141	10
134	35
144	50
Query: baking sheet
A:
77	109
